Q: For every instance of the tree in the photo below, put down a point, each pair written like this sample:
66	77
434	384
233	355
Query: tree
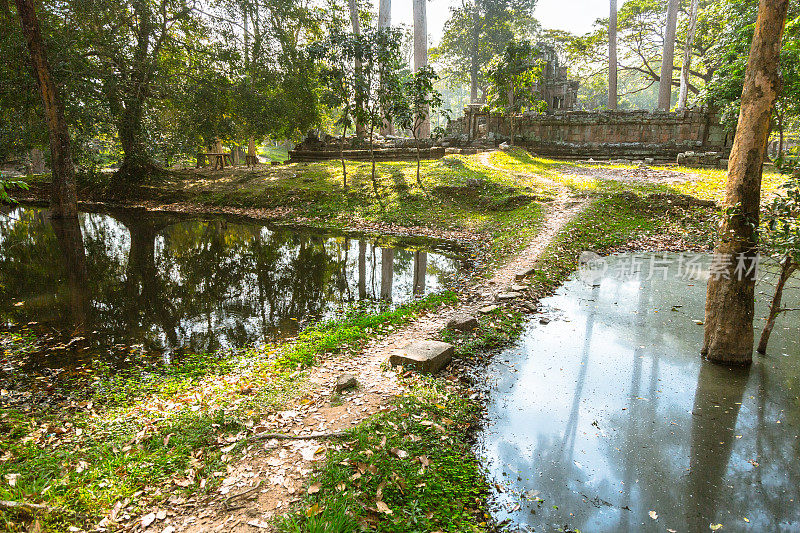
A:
421	57
730	51
514	76
668	56
421	99
687	55
731	292
781	237
338	77
640	46
612	57
64	199
477	31
379	88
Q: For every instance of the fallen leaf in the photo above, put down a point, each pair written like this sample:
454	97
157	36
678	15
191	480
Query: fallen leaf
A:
148	519
653	515
714	527
383	508
259	524
315	488
169	529
12	479
314	510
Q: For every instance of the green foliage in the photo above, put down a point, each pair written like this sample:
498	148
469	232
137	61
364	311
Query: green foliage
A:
358	326
476	32
513	77
6	186
780	233
730	52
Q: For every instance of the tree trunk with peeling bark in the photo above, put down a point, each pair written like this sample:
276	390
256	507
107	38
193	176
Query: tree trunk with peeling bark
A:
355	21
421	54
612	57
63	198
668	56
730	305
687	55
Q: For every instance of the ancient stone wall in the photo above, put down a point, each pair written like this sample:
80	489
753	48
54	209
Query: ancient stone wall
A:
599	135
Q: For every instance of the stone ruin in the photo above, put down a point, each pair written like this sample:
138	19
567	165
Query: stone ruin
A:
659	136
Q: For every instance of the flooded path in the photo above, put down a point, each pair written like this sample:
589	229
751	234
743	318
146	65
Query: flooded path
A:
607	419
176	283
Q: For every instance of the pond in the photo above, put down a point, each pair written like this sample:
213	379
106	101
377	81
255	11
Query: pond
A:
607	419
180	283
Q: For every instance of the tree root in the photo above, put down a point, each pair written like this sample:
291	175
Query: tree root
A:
5	504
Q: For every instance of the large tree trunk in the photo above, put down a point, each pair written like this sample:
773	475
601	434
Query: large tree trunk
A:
421	54
612	57
136	164
355	21
474	66
668	56
63	199
687	56
385	22
730	301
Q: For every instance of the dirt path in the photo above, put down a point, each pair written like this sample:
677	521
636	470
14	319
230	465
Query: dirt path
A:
269	478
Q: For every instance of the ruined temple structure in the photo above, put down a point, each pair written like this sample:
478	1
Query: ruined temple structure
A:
389	148
555	88
695	134
603	135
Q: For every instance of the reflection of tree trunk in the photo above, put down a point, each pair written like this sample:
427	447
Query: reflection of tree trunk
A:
387	273
73	255
362	270
420	272
716	408
730	299
142	276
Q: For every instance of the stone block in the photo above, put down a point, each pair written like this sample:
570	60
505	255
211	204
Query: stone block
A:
522	274
505	296
424	356
488	309
463	323
345	382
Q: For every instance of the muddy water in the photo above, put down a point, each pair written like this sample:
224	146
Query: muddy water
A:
606	419
195	284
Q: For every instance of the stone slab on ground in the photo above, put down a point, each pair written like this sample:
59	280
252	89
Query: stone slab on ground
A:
522	274
463	323
508	296
345	382
488	309
424	356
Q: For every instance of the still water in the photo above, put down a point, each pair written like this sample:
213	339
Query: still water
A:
172	283
607	420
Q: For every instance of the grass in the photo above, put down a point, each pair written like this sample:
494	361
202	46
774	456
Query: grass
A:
409	469
151	433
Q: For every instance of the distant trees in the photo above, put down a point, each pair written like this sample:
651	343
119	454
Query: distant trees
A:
686	66
477	31
514	76
640	45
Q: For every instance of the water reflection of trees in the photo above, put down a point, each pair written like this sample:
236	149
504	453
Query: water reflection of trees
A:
688	463
207	283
